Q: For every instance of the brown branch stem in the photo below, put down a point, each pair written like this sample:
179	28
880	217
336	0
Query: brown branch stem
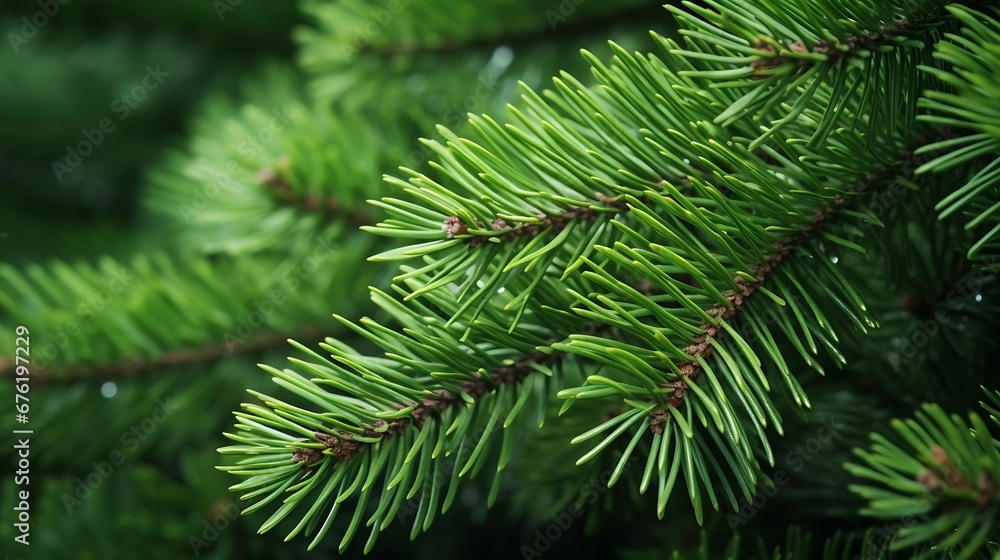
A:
574	26
343	445
281	191
172	358
701	345
454	226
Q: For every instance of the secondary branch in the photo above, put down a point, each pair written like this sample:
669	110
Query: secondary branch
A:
128	367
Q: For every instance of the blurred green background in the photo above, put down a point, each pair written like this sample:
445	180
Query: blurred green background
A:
65	76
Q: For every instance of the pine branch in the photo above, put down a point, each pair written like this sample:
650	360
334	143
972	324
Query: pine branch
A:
76	313
406	29
702	345
971	105
839	50
131	367
480	195
274	167
573	26
515	239
942	471
454	226
330	207
342	446
423	399
755	54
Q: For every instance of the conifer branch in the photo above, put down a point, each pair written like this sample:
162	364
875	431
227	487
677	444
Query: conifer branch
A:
343	445
297	166
454	226
782	158
970	104
585	20
852	45
575	25
835	52
131	367
228	306
942	470
702	344
330	207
